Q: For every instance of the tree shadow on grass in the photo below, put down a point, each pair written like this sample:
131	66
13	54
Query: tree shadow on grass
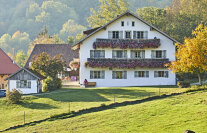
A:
96	95
33	105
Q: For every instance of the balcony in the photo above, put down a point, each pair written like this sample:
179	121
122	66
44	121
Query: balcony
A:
126	63
126	43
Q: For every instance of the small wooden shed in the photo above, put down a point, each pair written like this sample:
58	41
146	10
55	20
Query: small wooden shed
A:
24	80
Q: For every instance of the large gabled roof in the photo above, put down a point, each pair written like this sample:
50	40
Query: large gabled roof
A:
7	65
126	13
53	50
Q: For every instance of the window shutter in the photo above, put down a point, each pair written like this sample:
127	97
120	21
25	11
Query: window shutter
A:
125	53
113	75
135	74
120	34
110	34
91	74
153	54
91	54
147	74
164	54
143	54
17	84
113	54
155	74
134	35
125	74
29	84
145	34
166	74
103	74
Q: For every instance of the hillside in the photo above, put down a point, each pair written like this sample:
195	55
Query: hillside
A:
173	114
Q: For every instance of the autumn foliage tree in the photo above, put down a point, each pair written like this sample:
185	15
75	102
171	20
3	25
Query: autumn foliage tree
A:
192	55
49	67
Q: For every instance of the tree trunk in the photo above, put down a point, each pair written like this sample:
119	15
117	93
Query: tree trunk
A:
199	79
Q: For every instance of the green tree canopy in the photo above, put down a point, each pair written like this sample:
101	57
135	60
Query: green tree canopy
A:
48	66
108	10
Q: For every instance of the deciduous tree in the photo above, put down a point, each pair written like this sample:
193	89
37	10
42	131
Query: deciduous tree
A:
108	10
192	55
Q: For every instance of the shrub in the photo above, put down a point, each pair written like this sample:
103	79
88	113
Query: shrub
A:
14	96
51	84
183	84
57	83
47	84
44	87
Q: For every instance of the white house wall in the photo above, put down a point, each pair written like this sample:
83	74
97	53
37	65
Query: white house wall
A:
166	44
33	89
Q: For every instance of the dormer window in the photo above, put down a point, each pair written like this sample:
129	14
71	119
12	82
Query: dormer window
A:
122	23
128	34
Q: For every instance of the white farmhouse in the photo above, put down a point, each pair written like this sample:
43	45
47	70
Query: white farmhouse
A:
25	81
126	52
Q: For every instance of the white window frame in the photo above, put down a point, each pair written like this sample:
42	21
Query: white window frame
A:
141	74
130	35
97	74
154	54
97	53
116	56
140	34
161	74
137	54
119	74
23	84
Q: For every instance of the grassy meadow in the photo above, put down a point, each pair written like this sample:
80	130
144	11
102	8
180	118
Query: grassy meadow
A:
177	113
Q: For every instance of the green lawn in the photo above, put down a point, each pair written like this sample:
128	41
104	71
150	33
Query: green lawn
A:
170	115
43	106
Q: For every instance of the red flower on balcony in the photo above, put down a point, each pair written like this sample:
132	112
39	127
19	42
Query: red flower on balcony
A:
120	63
125	43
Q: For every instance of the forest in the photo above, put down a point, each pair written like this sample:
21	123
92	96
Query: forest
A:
24	23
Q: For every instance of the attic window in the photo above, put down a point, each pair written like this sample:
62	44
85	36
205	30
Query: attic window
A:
122	23
133	23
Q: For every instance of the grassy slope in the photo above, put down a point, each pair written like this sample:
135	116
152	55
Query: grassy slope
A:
40	107
175	115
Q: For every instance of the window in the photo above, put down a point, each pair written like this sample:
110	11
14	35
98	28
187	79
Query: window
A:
141	74
128	34
140	34
137	54
119	54
119	74
133	23
122	23
97	74
159	74
97	54
115	34
23	84
159	54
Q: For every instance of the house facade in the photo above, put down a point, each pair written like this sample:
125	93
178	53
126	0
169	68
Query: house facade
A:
126	52
25	81
7	67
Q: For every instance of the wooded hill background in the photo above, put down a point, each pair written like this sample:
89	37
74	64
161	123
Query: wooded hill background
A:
21	21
